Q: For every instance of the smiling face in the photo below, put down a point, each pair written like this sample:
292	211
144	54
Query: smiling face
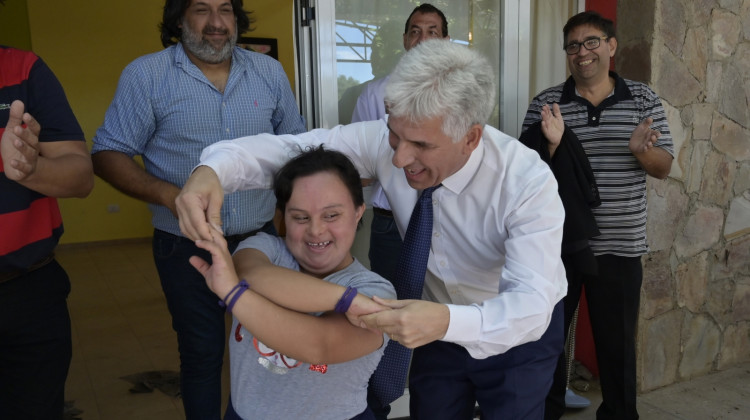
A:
209	30
423	26
590	67
426	153
321	222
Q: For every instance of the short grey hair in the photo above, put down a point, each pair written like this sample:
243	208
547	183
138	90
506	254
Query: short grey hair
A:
439	78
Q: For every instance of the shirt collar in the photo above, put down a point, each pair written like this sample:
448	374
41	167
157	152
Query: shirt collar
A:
180	56
461	178
240	63
622	92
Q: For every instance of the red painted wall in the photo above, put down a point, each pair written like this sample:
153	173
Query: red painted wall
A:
608	9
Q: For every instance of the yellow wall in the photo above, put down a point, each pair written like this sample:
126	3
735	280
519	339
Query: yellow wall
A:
14	25
87	43
275	19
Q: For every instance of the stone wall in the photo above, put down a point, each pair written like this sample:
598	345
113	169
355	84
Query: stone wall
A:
695	302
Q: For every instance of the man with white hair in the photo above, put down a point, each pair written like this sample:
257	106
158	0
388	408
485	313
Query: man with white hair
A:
488	326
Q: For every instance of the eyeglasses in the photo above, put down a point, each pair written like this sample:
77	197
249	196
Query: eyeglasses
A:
589	44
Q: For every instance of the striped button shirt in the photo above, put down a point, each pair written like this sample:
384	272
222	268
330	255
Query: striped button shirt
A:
604	132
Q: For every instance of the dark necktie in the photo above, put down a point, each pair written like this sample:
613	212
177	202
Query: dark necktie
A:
389	379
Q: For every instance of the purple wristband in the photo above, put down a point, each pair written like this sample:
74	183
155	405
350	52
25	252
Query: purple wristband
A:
346	300
237	290
222	302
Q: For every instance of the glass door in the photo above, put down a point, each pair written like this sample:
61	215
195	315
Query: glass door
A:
365	39
349	43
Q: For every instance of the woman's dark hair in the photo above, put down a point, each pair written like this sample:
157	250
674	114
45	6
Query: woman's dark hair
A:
174	10
591	18
313	161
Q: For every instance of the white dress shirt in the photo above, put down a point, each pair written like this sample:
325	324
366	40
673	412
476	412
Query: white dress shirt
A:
495	254
371	106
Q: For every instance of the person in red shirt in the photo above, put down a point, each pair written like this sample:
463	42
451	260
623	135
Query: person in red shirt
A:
44	157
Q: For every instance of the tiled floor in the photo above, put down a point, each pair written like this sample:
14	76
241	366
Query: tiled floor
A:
121	327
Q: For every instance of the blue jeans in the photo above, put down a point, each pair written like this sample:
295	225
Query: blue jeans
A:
198	321
385	247
35	344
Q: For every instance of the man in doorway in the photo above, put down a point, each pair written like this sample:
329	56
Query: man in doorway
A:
425	22
168	106
623	129
488	326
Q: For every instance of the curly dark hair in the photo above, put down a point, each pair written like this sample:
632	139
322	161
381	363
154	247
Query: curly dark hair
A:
174	10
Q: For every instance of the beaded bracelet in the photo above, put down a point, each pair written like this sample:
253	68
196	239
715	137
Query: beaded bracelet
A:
346	300
239	289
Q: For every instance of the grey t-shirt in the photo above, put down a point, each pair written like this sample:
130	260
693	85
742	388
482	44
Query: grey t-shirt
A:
268	385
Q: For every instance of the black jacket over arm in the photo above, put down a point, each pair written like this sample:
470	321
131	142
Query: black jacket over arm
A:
576	186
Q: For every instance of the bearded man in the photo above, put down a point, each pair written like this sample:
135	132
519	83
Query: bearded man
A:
168	107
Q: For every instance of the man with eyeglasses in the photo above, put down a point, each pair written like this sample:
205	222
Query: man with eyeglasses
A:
623	130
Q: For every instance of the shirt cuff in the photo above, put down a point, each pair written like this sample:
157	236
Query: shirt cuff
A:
465	324
232	172
213	162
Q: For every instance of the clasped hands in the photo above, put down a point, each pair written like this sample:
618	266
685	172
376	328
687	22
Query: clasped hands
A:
412	323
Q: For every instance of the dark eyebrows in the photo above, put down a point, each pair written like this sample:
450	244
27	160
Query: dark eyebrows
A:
413	26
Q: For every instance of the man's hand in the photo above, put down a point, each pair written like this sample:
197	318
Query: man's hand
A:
656	161
220	276
643	137
19	145
199	204
412	323
553	126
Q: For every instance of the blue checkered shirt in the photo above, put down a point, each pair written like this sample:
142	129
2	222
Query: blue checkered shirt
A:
167	111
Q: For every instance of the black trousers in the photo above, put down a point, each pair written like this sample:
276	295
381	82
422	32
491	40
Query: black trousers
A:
445	382
35	344
613	297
